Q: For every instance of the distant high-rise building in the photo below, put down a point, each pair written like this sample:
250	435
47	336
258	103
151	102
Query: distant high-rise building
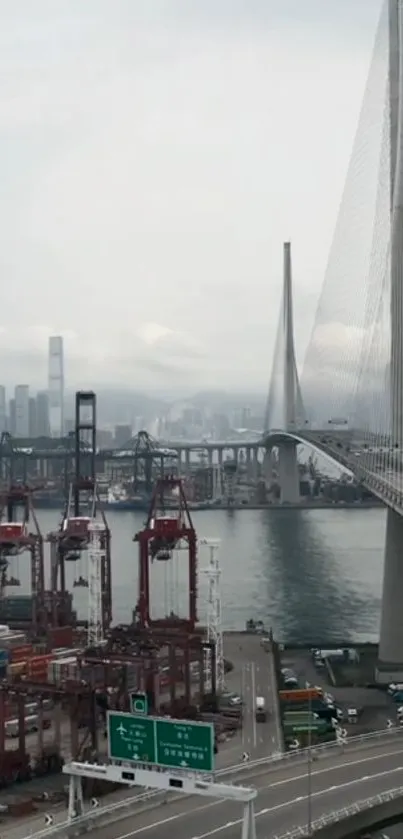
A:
32	417
123	434
69	426
11	418
56	386
3	409
21	398
42	414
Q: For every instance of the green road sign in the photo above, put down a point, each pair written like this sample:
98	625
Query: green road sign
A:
163	742
186	745
131	738
138	703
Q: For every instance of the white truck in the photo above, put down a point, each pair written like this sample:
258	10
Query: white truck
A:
260	709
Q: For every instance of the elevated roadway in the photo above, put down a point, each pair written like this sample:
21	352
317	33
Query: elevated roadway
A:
289	795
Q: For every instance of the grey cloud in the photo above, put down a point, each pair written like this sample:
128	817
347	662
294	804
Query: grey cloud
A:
163	180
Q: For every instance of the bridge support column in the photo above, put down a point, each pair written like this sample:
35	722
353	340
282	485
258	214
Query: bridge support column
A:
267	468
288	473
390	657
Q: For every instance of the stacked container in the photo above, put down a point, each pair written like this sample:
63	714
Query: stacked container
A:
17	669
62	670
66	652
4	657
37	668
62	636
20	653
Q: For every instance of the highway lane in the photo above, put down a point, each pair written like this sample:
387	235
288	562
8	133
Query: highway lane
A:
253	675
282	802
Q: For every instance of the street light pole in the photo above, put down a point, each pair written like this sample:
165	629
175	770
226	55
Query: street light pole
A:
309	774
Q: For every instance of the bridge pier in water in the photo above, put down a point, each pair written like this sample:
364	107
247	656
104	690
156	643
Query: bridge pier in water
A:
390	655
288	473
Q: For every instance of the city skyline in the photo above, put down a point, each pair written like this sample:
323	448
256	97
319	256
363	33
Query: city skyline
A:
146	208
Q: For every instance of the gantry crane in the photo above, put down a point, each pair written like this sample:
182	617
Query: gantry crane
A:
77	534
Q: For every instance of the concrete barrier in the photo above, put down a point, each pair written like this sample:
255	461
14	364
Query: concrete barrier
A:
352	822
321	750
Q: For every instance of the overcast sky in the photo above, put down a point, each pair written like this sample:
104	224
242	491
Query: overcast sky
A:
154	155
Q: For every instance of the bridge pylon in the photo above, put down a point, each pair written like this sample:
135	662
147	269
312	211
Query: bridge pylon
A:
390	657
285	407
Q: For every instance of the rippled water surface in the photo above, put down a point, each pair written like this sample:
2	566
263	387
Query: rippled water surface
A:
311	575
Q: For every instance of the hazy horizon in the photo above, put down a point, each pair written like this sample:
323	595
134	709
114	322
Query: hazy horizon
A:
154	158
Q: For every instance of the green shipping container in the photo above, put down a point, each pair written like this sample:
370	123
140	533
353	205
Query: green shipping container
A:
318	727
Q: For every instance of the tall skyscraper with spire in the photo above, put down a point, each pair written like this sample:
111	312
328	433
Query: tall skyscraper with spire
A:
56	386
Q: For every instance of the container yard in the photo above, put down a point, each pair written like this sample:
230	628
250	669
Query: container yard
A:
58	677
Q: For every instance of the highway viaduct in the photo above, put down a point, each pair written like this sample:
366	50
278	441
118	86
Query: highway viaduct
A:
291	793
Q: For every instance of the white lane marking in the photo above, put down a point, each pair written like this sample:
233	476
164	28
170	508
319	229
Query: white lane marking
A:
290	803
331	768
260	813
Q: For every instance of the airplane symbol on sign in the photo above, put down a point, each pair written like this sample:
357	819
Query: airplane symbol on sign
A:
121	729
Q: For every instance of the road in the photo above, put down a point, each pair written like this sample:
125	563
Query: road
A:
282	802
281	805
253	675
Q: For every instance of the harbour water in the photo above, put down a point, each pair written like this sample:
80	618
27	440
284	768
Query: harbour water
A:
313	575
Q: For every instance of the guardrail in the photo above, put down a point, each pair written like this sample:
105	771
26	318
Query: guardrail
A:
95	814
275	761
298	755
344	813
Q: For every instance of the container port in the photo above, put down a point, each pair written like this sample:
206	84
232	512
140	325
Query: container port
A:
59	676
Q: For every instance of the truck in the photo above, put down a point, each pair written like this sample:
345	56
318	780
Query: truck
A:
260	709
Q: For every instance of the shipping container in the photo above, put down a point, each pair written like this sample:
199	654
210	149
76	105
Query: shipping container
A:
37	660
61	636
300	695
317	727
62	670
18	668
20	653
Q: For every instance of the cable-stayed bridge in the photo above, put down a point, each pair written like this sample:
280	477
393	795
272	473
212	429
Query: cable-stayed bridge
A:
352	376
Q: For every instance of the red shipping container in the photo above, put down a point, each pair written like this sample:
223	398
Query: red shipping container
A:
40	660
300	695
37	672
21	653
61	636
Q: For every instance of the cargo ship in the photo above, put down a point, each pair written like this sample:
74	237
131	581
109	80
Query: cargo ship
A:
114	499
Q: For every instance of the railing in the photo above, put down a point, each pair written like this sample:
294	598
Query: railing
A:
274	762
344	813
94	815
321	749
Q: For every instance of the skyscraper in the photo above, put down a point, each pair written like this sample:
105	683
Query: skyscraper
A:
56	386
42	414
21	397
3	409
